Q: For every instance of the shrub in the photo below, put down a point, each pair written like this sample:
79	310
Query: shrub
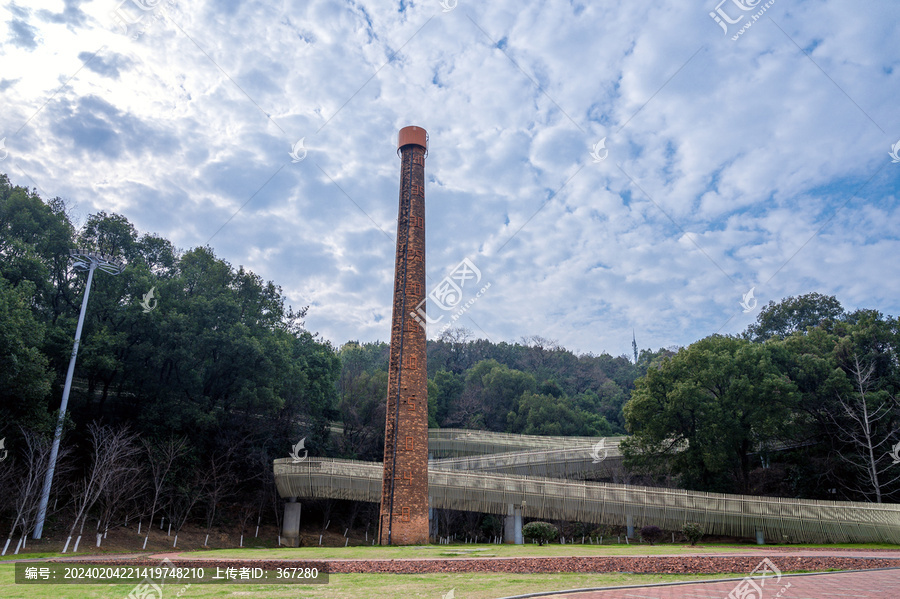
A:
651	534
693	532
542	532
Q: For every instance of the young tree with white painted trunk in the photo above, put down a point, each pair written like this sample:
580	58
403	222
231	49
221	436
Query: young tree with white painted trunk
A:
129	484
186	493
161	457
25	478
219	483
112	450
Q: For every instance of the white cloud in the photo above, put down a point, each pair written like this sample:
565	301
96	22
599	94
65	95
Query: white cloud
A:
750	146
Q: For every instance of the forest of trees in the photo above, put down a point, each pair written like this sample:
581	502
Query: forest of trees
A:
179	411
532	387
803	404
215	382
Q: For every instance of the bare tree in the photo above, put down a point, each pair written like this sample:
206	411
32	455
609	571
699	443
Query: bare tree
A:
218	483
126	485
326	505
371	515
245	511
112	450
468	411
864	410
25	481
134	509
355	508
541	343
6	480
261	462
541	350
161	459
187	494
470	525
460	335
457	344
277	503
447	522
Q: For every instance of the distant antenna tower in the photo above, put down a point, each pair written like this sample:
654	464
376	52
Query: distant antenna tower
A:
634	346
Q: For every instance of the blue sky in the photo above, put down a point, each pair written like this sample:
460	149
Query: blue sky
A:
747	158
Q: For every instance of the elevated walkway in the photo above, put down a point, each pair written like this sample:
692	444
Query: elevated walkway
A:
507	484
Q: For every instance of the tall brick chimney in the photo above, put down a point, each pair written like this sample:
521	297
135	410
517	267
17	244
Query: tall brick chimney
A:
404	489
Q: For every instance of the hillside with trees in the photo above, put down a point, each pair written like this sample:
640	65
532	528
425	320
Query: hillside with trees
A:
219	376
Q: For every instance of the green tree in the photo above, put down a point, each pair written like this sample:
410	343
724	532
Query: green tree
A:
542	532
362	408
24	373
357	358
449	388
611	400
651	534
847	374
219	358
693	532
793	314
35	237
703	412
499	389
548	415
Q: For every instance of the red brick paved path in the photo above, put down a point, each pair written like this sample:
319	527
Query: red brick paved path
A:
880	584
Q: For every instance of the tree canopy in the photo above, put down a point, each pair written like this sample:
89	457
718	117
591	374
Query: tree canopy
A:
708	408
780	319
179	345
804	404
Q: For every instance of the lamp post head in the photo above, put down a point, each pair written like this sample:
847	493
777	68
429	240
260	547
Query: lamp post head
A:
85	258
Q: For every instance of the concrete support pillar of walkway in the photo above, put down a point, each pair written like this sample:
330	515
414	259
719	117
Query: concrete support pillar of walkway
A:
512	525
629	523
760	540
290	532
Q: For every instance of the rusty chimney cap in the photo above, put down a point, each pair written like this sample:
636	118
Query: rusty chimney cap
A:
412	136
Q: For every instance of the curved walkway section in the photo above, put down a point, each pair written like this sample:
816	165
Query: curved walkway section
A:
578	463
458	442
778	519
532	455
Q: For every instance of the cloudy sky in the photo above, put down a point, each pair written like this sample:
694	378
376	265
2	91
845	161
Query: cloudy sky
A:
606	166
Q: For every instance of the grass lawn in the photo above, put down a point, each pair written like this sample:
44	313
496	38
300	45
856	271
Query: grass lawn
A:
407	586
356	586
439	551
25	555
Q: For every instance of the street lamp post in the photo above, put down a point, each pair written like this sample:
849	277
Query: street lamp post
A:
91	261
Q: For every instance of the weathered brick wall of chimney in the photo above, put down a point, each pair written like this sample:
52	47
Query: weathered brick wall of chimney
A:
404	517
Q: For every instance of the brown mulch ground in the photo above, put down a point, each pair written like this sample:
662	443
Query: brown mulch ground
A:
637	565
